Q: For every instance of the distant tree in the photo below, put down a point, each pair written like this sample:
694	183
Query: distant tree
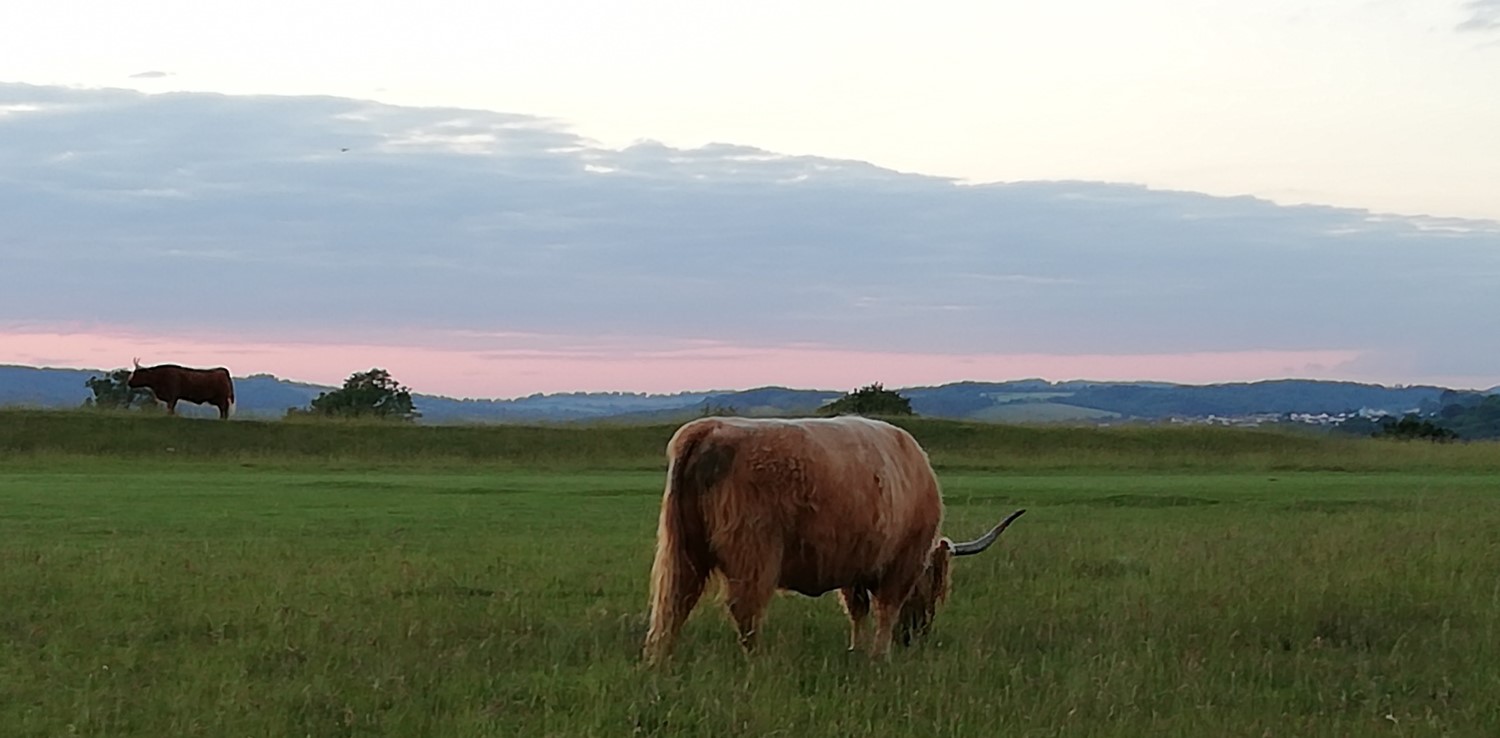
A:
710	409
1359	425
1474	419
371	394
1451	403
1413	427
869	400
112	393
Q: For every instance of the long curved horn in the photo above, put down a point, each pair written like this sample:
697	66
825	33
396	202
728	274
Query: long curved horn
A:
983	542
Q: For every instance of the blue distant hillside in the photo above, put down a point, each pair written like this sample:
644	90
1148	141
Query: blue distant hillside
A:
1027	400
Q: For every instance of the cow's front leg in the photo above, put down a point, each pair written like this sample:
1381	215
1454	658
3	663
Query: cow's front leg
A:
889	596
747	606
857	604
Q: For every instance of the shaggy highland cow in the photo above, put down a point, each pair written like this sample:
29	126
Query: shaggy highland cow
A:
810	506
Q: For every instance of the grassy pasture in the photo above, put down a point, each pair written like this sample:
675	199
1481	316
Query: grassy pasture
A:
312	579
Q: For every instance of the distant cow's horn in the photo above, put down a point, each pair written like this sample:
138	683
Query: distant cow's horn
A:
983	542
137	362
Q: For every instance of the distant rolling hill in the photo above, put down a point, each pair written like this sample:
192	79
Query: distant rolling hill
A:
1027	400
266	396
1041	412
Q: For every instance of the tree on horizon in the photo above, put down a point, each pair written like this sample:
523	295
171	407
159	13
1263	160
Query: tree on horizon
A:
872	399
372	394
111	392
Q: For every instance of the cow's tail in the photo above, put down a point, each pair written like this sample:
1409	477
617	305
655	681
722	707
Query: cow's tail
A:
229	413
695	464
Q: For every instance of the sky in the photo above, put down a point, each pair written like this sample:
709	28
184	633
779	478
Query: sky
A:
491	199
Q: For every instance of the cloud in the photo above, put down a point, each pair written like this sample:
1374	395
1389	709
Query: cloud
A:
153	74
295	216
1484	15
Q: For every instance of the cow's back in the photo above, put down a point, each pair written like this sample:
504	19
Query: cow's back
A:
842	496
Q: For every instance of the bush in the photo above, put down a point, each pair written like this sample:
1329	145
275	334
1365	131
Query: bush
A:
372	394
869	400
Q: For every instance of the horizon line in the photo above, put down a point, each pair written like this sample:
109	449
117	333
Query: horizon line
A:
794	388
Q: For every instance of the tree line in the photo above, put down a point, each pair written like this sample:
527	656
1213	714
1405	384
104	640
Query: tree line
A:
1470	416
376	395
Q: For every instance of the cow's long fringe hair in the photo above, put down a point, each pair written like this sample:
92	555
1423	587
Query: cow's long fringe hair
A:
930	591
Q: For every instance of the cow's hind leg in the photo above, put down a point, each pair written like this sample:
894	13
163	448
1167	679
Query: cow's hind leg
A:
857	604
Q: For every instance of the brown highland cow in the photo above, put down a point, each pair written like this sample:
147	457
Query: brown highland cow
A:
810	506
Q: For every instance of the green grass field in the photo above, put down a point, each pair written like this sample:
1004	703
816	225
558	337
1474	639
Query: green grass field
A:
185	577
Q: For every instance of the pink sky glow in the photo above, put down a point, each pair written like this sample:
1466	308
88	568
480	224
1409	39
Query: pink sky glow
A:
480	365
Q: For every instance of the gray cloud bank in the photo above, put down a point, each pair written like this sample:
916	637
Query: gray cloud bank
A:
298	214
1484	15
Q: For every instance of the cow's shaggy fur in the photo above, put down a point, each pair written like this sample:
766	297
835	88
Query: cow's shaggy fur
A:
809	505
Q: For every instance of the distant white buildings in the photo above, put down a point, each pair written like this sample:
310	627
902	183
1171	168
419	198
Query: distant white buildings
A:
1256	420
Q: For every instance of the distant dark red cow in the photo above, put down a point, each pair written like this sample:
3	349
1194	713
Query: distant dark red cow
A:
170	383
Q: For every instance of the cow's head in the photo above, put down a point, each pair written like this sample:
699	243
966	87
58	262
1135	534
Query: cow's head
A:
933	586
133	380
